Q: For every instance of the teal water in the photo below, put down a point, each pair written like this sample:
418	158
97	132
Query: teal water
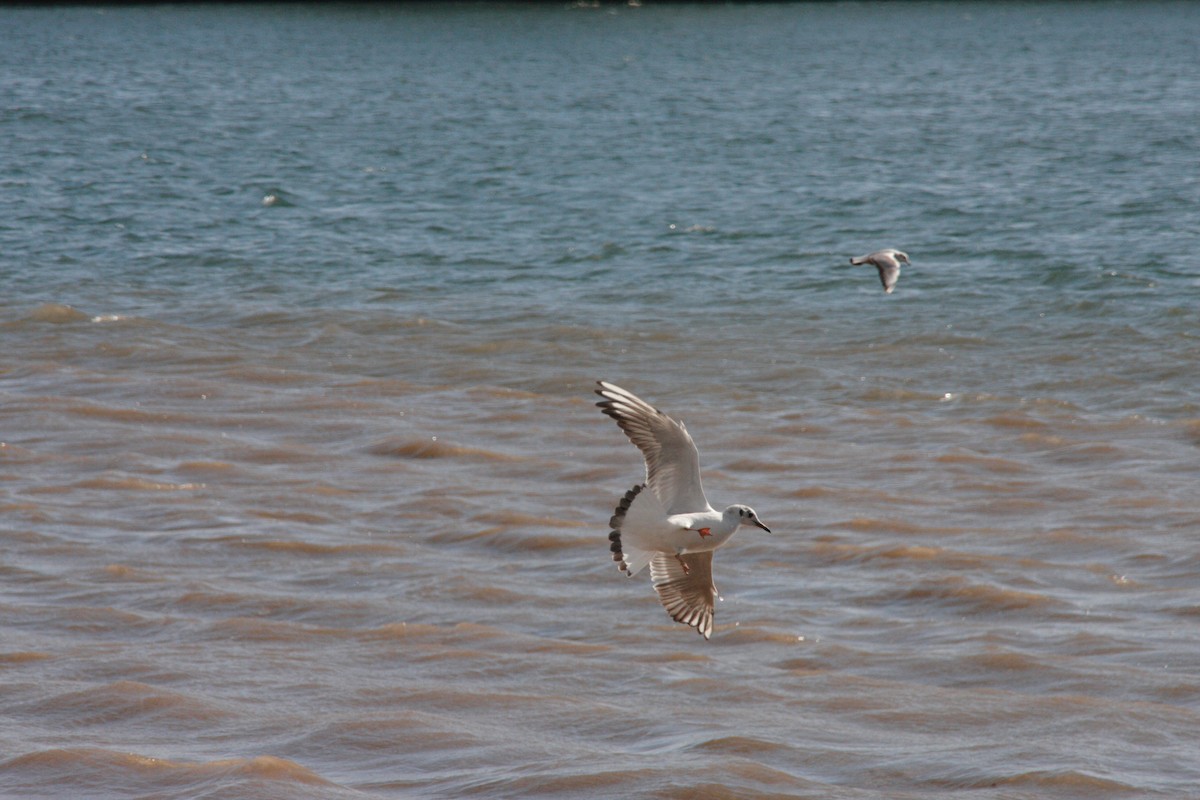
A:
303	494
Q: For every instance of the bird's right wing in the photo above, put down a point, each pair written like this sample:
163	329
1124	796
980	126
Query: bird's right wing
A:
889	273
672	462
688	597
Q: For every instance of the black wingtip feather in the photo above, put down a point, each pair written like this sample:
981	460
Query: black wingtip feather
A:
618	518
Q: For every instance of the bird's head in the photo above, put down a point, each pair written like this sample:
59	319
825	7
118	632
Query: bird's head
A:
901	257
744	515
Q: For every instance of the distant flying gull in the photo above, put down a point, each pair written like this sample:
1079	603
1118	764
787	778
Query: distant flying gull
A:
887	262
671	527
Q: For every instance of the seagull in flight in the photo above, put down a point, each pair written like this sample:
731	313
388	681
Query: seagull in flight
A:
666	522
888	262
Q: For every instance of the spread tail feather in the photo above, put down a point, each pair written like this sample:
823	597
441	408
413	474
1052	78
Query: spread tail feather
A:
630	558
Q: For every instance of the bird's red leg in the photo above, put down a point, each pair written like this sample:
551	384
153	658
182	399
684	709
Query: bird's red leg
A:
683	564
702	531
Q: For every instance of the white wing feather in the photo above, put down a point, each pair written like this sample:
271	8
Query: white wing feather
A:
672	462
687	596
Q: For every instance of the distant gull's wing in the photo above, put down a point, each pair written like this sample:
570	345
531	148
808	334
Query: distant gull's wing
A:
889	273
886	263
688	597
672	463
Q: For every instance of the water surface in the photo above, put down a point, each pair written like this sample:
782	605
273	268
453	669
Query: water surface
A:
302	489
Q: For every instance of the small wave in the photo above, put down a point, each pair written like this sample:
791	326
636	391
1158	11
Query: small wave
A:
270	768
404	630
872	525
137	485
123	572
893	395
487	595
132	415
739	746
514	531
588	475
506	540
1090	645
93	771
284	455
1074	782
1014	420
990	463
206	466
615	782
1044	441
813	493
462	637
269	376
421	732
297	517
837	552
1087	453
670	657
1003	661
432	448
123	701
758	465
307	548
803	666
740	634
258	630
100	620
1191	430
605	252
23	657
516	519
1009	506
981	597
57	314
10	450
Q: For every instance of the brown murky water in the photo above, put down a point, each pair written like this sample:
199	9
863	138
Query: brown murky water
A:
243	570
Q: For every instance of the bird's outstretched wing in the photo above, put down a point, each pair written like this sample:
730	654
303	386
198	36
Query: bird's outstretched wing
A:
688	597
672	463
885	261
889	273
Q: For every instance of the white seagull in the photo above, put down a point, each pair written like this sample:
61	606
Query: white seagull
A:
888	262
671	527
